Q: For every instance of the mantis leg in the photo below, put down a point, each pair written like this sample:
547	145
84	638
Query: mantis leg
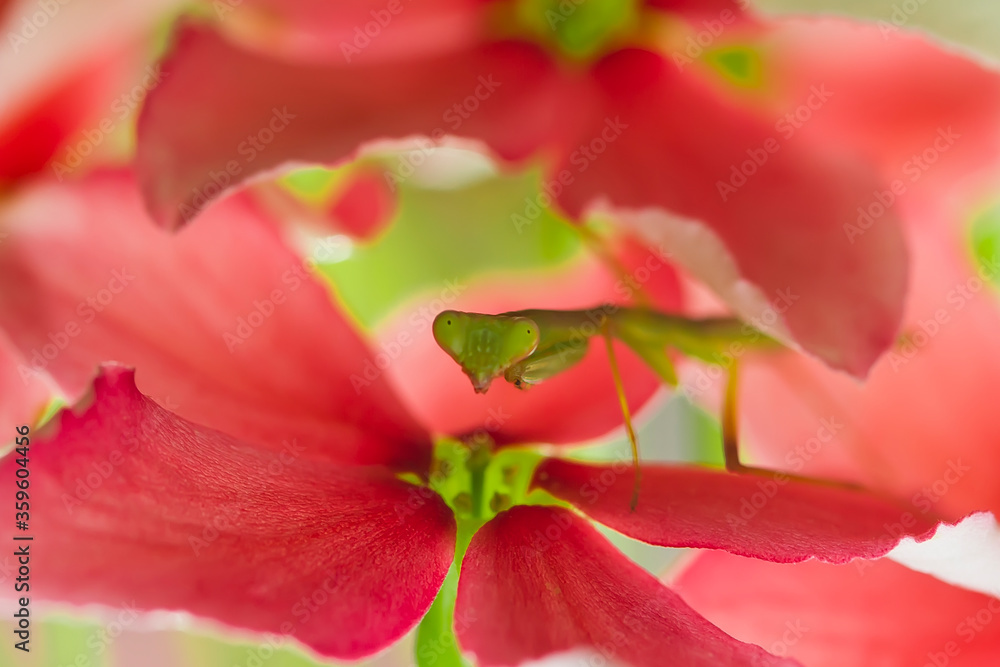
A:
543	364
730	423
626	414
730	442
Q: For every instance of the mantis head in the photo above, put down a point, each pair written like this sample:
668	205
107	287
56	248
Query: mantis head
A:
485	345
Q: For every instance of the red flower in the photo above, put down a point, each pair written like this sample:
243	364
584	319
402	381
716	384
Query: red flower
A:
268	497
677	150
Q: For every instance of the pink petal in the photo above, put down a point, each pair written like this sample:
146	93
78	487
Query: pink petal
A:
25	392
64	68
923	427
224	323
699	9
32	135
131	504
654	119
539	580
681	138
931	132
577	405
762	516
869	615
236	131
349	32
365	206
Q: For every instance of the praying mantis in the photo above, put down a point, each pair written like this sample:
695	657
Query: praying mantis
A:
526	347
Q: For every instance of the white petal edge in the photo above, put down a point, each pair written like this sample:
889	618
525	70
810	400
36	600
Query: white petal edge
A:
966	554
693	246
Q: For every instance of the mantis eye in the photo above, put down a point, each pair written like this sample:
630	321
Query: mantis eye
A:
449	332
519	340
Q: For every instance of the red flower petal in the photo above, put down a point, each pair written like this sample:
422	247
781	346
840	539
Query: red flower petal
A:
349	32
131	504
932	131
768	517
668	139
234	131
847	300
68	72
923	427
699	9
224	322
365	206
25	392
540	580
33	134
875	614
577	405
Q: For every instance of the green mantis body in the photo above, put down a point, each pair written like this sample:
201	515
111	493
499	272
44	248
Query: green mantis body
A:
526	347
529	346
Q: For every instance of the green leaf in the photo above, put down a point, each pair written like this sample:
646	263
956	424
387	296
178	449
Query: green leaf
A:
442	238
69	642
741	65
986	243
314	185
579	29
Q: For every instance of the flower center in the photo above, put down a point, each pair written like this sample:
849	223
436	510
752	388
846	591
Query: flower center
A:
579	29
477	481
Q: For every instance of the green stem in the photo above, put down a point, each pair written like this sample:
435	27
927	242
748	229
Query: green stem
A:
479	460
436	642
